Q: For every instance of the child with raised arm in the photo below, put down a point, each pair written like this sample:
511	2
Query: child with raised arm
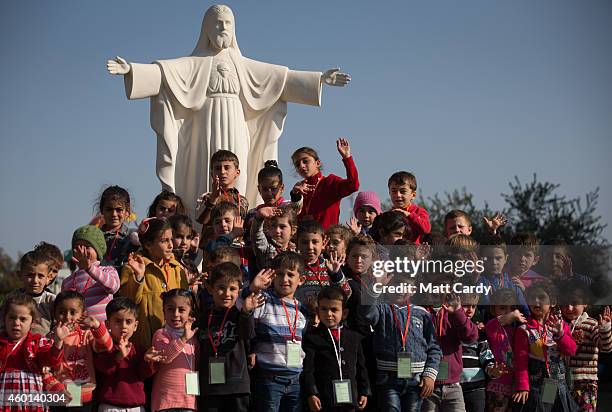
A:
405	346
344	386
322	194
523	256
224	332
23	354
402	191
87	335
500	333
96	283
453	329
224	170
123	369
174	353
591	337
366	208
318	271
338	237
540	346
477	360
495	256
150	273
271	232
279	325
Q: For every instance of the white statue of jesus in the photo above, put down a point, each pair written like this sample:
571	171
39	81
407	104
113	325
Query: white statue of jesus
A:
217	99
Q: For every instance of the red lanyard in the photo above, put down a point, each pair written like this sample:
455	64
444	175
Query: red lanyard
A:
440	328
108	254
292	330
84	289
399	326
216	345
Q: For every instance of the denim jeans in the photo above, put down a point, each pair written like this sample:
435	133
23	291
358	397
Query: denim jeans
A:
277	394
447	398
475	399
397	395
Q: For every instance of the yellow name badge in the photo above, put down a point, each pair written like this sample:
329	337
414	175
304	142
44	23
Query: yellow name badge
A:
75	394
192	383
549	393
294	359
404	365
342	391
443	371
216	371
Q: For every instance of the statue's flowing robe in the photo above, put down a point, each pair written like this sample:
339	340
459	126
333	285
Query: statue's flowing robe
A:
189	131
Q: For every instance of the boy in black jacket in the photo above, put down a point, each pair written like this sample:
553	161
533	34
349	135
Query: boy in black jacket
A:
334	377
223	332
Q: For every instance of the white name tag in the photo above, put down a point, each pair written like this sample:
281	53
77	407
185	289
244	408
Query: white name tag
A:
294	359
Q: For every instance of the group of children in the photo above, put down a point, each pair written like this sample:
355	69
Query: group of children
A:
281	313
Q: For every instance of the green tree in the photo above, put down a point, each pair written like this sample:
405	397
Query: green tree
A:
536	207
8	274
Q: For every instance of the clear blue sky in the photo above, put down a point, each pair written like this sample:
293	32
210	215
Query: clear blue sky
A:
461	93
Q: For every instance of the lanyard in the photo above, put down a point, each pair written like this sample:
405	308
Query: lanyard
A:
292	330
108	254
214	345
337	350
189	360
16	346
86	285
399	326
440	328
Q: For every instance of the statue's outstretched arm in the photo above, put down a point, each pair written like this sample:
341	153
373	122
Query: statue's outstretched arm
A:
118	66
334	77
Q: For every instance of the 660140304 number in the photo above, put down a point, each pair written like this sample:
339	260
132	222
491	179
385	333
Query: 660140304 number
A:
9	398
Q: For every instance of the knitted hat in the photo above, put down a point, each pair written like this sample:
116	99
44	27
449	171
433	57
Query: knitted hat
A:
367	199
94	236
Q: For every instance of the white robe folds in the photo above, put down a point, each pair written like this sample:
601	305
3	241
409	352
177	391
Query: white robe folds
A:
192	121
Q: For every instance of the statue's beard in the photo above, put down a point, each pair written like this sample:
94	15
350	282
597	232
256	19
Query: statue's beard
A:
221	41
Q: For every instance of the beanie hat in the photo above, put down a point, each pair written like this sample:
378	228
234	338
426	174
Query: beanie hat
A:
94	236
367	199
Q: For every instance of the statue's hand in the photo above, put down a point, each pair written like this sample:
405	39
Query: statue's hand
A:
333	77
118	66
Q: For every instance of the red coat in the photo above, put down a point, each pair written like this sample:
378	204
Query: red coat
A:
323	204
418	223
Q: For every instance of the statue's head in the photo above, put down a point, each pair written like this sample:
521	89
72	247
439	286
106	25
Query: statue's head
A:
218	26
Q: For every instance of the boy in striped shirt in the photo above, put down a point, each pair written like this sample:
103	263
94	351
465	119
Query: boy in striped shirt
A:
279	325
477	359
591	337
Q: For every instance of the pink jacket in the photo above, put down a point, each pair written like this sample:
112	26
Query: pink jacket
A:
528	346
500	341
